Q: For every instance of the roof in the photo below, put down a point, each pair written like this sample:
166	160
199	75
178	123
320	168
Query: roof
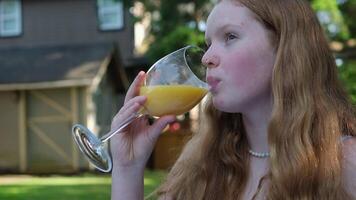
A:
49	66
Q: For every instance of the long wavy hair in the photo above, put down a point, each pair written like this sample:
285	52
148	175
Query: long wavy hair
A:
310	114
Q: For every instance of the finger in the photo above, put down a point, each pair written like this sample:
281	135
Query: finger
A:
160	124
137	99
135	86
131	110
128	113
140	100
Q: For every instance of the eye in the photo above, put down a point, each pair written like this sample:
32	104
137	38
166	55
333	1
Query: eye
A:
229	37
206	46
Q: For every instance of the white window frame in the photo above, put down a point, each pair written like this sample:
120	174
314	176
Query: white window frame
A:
110	7
16	16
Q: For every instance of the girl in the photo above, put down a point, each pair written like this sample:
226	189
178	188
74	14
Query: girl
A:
277	124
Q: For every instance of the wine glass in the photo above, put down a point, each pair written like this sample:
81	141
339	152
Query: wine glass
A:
173	85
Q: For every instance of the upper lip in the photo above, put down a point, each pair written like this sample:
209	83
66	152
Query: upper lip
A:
212	81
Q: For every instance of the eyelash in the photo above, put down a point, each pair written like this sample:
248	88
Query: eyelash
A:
229	36
206	46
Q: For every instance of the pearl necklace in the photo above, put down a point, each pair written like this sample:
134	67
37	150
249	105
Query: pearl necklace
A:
258	154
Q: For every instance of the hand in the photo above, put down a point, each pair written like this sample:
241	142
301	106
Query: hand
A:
133	146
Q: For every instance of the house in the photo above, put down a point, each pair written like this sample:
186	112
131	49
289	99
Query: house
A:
61	62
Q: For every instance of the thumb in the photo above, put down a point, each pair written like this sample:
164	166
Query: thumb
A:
160	124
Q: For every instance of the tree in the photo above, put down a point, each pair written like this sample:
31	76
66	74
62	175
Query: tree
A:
174	24
337	16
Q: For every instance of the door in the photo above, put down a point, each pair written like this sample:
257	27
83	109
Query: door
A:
50	115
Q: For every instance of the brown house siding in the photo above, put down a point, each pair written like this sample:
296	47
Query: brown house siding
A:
9	129
53	22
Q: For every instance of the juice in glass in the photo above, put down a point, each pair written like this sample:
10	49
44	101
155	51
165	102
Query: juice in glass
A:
171	99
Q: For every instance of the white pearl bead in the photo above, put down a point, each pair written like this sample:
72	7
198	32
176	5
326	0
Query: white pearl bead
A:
258	154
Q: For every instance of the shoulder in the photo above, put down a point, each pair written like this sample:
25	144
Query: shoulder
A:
349	164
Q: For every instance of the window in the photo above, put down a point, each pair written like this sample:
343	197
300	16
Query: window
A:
10	18
110	14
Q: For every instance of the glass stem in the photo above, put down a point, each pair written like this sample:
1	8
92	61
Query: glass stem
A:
124	124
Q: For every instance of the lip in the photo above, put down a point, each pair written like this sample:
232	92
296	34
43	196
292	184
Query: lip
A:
213	83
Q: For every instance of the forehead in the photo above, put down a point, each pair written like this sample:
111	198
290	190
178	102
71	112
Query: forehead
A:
229	12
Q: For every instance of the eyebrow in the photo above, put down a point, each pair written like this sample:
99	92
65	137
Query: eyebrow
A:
226	26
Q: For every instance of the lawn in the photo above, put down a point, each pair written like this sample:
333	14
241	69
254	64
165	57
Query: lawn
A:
80	187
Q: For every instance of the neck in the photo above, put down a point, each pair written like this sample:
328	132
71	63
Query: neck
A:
256	122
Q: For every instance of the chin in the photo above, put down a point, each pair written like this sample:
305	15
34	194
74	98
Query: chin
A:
224	106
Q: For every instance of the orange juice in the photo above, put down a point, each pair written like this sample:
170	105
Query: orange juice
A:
171	99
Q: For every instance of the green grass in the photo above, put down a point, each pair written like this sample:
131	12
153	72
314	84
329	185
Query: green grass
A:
88	187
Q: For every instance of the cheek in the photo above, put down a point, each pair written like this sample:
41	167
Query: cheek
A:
240	71
243	68
250	73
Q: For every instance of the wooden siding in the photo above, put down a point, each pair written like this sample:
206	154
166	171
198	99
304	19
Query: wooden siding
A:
60	22
9	129
50	116
35	130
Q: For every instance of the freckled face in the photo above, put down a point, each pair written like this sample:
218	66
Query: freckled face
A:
240	58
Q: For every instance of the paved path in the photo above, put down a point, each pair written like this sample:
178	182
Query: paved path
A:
12	179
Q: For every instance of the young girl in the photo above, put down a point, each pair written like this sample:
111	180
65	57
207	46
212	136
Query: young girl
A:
277	124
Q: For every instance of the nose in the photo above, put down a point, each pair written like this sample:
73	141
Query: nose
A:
210	59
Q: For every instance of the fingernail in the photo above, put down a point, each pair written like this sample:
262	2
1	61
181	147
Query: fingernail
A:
142	98
173	119
141	73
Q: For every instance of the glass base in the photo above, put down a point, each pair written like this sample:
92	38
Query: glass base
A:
92	148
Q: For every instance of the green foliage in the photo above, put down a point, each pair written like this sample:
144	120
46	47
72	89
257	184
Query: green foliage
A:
348	10
179	37
347	73
174	24
332	20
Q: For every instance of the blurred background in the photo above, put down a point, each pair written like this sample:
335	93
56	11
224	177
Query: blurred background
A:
69	61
